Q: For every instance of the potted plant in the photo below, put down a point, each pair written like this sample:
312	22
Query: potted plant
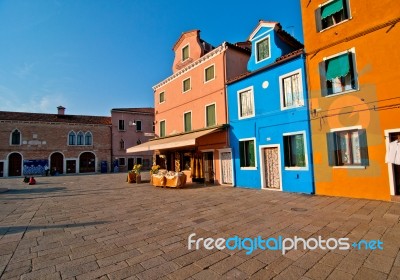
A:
137	169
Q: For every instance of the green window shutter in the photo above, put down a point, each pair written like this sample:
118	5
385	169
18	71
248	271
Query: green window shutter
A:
362	136
322	77
162	129
188	122
332	150
286	150
299	150
331	8
210	115
242	155
251	153
318	20
338	66
210	73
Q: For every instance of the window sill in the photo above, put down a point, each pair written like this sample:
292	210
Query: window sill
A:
292	107
332	26
296	168
350	167
248	168
341	93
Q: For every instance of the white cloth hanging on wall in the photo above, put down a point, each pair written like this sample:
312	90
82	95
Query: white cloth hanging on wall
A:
393	153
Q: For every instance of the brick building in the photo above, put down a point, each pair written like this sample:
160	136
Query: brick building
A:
65	143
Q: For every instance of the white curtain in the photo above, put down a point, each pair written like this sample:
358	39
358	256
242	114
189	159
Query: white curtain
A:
246	103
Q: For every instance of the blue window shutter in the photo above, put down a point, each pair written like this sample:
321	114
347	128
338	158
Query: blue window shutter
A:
332	150
362	136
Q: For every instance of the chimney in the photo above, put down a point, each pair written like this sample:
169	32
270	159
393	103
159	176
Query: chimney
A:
61	110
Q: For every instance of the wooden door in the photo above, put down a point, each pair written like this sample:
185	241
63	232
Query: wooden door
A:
14	164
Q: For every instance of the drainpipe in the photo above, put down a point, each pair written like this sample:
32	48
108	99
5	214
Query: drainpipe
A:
225	96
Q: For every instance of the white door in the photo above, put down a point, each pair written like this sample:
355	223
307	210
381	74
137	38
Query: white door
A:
226	168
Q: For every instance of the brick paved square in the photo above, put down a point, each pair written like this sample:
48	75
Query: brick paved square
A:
98	226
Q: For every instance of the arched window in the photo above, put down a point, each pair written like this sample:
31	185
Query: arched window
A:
122	144
72	138
16	137
80	138
88	138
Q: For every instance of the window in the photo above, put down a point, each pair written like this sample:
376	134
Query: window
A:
294	149
338	74
121	125
122	144
332	13
71	138
185	52
16	137
138	125
162	97
348	147
209	73
154	126
210	115
162	128
139	160
291	90
80	138
88	138
187	119
121	161
263	49
247	153
246	103
186	85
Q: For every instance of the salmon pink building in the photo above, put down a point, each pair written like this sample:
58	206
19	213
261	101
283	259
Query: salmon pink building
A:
190	110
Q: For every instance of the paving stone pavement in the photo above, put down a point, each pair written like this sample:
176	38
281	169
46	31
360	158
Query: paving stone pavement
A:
100	227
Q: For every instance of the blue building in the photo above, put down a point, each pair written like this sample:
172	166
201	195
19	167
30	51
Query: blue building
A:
268	115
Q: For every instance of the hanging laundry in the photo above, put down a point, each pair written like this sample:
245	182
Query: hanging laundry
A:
393	153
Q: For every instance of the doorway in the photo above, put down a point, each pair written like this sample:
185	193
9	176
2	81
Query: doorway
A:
395	168
71	166
131	163
271	171
1	169
87	162
14	164
226	167
56	163
208	158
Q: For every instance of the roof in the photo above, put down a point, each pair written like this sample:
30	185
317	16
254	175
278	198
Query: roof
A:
286	37
143	111
278	61
184	35
53	118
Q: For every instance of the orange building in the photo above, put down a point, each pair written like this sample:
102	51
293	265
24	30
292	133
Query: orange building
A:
352	61
190	109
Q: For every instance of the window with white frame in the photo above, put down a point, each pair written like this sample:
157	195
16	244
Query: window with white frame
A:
121	161
186	85
80	138
185	52
291	90
338	73
263	50
162	128
348	147
121	125
210	115
16	137
331	13
187	121
161	97
138	125
294	150
246	103
88	138
71	138
247	153
209	73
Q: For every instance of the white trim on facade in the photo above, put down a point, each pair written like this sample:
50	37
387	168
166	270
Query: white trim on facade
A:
281	89
306	168
262	166
255	153
390	165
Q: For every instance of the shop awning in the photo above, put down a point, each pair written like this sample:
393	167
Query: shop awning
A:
338	67
331	8
181	140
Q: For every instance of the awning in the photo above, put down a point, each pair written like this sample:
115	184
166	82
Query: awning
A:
181	140
338	67
331	8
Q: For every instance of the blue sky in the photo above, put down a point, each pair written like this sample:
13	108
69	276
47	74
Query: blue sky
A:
94	55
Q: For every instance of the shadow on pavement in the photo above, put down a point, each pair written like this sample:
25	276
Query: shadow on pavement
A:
17	229
35	190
